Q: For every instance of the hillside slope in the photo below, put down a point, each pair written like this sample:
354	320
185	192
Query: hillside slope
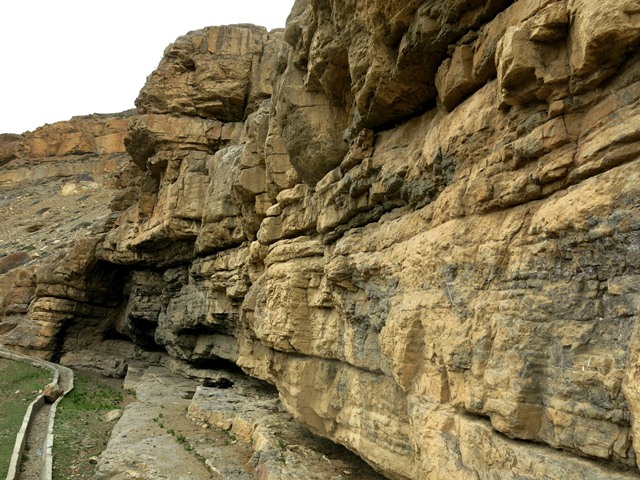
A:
418	220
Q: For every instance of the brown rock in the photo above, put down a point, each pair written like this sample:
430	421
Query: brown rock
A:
9	147
100	134
92	145
110	416
451	293
379	59
9	262
312	126
601	36
52	392
215	72
19	292
72	291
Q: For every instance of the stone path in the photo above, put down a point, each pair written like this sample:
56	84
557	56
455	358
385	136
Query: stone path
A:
234	429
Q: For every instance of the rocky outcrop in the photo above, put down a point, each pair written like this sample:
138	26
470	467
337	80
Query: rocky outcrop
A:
237	430
423	230
57	184
220	72
70	303
91	144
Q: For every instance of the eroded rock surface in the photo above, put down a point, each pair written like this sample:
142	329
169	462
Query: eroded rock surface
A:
232	430
424	231
59	187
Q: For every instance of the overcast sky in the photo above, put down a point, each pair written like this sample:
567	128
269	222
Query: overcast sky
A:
60	58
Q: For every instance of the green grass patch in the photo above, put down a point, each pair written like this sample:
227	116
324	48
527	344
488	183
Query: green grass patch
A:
80	431
19	386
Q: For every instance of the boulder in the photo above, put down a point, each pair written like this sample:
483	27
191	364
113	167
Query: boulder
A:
51	392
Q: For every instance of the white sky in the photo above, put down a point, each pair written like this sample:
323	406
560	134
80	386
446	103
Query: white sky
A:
60	58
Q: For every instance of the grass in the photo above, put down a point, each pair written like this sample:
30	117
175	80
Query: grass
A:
186	444
18	388
80	431
282	444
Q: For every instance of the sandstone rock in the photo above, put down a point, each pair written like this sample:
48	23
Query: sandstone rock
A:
114	358
20	295
240	432
110	416
380	59
100	134
14	260
90	144
602	35
312	126
215	72
536	62
74	292
426	240
39	218
185	201
280	173
282	450
51	392
9	146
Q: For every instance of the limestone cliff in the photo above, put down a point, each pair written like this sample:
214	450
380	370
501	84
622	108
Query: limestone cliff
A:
418	220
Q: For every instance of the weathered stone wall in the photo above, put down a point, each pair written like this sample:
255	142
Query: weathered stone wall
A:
424	229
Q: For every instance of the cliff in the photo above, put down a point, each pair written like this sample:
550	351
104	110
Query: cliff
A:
418	220
55	183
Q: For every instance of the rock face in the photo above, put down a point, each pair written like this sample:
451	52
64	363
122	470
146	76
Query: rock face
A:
56	185
424	230
219	72
91	144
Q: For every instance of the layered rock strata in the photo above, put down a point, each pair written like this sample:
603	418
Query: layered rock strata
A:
234	428
91	144
424	230
57	185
